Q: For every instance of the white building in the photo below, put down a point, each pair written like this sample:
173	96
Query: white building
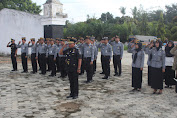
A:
17	24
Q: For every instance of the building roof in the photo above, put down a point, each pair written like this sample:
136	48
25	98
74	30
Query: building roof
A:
53	1
145	38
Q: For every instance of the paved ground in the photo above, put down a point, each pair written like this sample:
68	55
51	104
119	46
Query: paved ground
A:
36	96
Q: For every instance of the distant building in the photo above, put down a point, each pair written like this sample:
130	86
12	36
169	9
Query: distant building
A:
17	24
145	38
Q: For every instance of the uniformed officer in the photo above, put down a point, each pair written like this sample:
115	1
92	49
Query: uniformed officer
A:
88	58
137	67
33	55
13	54
106	51
80	46
58	41
52	57
42	53
38	56
157	67
74	60
47	59
118	50
131	44
24	54
95	53
63	69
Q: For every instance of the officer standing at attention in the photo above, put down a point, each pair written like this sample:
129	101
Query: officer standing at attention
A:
42	53
95	53
63	70
48	46
88	58
52	57
57	53
24	54
13	54
106	51
80	46
33	55
118	50
74	61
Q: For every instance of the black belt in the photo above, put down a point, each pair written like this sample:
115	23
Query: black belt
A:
105	56
87	57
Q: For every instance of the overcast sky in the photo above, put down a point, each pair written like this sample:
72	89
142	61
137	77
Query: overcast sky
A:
77	10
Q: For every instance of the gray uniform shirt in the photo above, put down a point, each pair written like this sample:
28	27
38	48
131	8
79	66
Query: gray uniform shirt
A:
118	48
147	51
95	51
106	49
24	48
52	50
158	58
42	49
81	48
139	63
88	51
33	48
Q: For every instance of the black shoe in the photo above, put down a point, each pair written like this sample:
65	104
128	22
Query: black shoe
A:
119	75
102	73
133	90
43	73
52	75
167	86
32	72
69	96
105	77
13	70
75	97
23	72
116	74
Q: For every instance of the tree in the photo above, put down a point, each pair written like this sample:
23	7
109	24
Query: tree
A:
106	17
122	10
134	12
171	12
22	5
161	28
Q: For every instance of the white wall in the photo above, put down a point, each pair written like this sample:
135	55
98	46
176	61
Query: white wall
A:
16	24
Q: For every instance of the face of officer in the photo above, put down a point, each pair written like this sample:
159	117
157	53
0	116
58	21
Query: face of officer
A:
92	42
51	42
57	41
136	46
87	41
42	41
48	42
117	39
62	42
105	41
157	44
71	45
170	44
23	40
33	42
13	42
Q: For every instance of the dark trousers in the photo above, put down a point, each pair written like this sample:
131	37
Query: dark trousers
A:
14	61
63	66
149	76
48	64
157	78
73	79
43	63
52	64
34	62
94	66
24	62
58	64
82	65
106	65
88	68
117	63
136	78
39	61
102	64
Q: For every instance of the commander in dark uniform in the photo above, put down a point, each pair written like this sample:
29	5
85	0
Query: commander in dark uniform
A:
13	54
74	61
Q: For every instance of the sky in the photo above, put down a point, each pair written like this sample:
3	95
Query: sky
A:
78	10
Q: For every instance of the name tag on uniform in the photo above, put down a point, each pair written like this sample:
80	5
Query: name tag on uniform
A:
87	51
106	51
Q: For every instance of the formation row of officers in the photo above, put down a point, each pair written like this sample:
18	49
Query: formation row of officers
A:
69	57
72	57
